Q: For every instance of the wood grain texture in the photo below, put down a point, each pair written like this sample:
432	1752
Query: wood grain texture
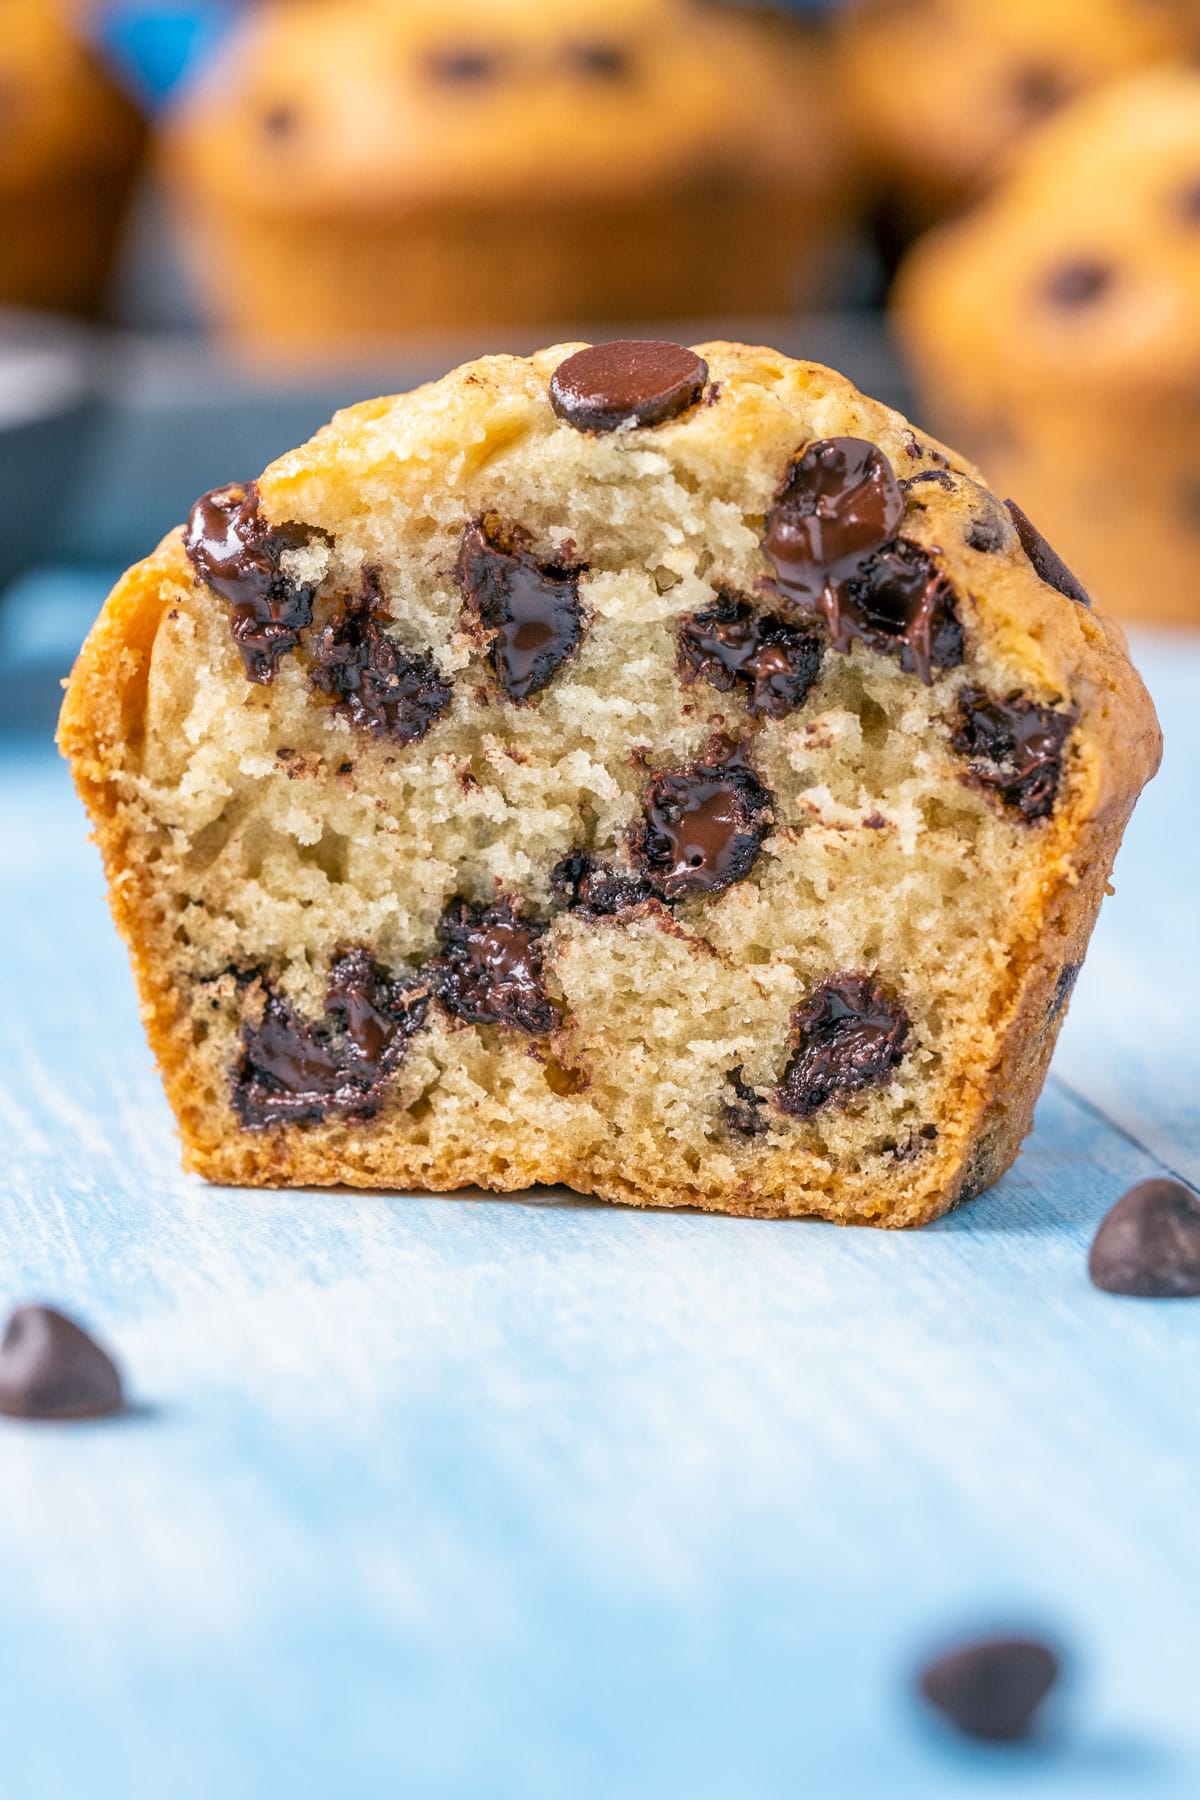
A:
535	1498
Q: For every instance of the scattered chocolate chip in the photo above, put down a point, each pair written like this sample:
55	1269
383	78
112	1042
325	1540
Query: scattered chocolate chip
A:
942	478
600	59
900	602
630	382
744	1113
51	1369
462	65
381	688
848	1035
702	828
1039	90
986	535
532	609
1148	1244
730	644
292	1069
839	503
1064	984
1016	748
588	886
1048	563
991	1689
490	969
1078	283
239	555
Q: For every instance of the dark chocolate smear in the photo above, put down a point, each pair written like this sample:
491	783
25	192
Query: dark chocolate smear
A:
1016	748
1048	563
232	548
393	693
1148	1244
532	609
490	970
630	382
1076	284
292	1069
588	886
848	1035
744	1114
51	1369
991	1689
702	828
731	645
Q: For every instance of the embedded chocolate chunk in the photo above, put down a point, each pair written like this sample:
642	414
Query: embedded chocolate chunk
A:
991	1689
900	602
588	886
1048	563
532	609
1016	748
600	58
1148	1244
232	548
293	1069
849	1034
630	382
1064	986
51	1369
744	1113
463	65
939	477
839	503
702	828
381	688
986	535
490	969
1078	283
730	645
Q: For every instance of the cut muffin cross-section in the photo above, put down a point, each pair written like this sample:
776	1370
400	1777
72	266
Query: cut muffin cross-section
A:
659	772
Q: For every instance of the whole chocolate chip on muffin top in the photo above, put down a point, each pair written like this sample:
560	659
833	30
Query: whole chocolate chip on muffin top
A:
630	382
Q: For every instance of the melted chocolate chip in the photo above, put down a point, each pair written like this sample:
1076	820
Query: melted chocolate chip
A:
381	688
51	1369
1078	283
839	503
986	535
587	886
1148	1245
239	555
730	645
600	59
532	609
631	382
1048	563
293	1069
991	1689
1015	746
744	1113
849	1035
490	969
702	828
901	603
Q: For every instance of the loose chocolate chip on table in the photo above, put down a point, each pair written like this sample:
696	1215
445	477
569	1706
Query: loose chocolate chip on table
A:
232	548
588	886
702	828
630	382
731	645
390	692
1078	283
991	1689
532	609
1016	748
1048	563
490	969
744	1113
292	1069
51	1369
848	1035
1148	1244
839	502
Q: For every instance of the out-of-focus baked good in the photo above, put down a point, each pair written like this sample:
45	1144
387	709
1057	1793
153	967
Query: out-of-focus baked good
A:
662	772
935	90
351	169
1054	331
70	144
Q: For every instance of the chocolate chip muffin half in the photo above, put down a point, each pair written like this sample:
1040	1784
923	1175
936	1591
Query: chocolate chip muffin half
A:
657	771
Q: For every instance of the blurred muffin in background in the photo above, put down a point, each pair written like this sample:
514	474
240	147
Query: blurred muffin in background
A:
350	169
1054	332
70	144
935	90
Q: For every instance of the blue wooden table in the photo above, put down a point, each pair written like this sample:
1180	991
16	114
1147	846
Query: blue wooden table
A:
539	1500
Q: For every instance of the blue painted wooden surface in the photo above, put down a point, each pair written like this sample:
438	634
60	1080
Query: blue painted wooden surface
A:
540	1500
